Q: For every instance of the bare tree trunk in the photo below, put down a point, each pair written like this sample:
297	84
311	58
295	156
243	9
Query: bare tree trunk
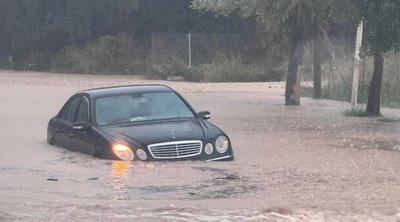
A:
356	67
317	64
292	95
374	95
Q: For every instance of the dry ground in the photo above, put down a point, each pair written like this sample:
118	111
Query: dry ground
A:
307	163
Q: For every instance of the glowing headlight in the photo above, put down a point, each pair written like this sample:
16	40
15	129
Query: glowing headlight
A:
123	152
141	154
209	148
222	144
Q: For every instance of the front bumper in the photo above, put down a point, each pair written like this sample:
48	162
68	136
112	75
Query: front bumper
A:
222	158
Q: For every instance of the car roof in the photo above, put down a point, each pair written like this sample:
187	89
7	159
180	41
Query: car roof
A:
116	90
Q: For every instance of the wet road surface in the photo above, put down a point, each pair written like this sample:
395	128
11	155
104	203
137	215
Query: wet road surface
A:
307	163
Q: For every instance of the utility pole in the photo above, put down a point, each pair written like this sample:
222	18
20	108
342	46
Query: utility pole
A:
356	70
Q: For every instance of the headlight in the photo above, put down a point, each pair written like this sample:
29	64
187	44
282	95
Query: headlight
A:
222	144
141	154
209	148
123	152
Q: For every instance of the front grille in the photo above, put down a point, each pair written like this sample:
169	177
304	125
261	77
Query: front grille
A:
177	149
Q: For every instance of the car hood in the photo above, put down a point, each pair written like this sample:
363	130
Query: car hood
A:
158	132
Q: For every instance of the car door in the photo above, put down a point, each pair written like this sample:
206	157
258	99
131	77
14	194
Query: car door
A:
82	137
64	130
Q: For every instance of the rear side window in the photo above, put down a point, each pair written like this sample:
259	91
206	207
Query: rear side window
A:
72	108
64	111
83	111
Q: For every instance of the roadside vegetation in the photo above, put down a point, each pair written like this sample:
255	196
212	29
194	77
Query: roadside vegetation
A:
213	41
108	54
337	82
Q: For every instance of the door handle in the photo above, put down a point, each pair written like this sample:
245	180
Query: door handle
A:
70	135
57	130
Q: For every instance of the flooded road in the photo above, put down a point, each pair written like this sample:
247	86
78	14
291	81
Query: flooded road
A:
307	163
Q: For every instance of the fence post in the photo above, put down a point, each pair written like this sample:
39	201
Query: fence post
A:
190	51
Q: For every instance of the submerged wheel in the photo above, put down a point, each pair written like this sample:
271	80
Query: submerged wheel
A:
50	138
97	154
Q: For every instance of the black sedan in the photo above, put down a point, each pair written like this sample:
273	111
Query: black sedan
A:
142	122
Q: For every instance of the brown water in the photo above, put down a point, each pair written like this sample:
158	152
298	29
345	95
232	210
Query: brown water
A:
306	163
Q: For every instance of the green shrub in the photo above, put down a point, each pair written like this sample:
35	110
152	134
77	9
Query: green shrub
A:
108	54
170	67
195	74
357	112
234	70
225	69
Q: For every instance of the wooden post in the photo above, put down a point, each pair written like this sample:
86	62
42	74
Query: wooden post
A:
356	70
397	70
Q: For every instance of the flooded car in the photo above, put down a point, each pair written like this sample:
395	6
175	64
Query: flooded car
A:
141	122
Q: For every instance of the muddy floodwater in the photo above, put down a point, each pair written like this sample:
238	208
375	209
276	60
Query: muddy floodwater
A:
306	163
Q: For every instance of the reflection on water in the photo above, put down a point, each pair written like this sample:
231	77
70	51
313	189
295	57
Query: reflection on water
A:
120	176
120	168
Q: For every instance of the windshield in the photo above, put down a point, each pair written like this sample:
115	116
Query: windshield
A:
139	107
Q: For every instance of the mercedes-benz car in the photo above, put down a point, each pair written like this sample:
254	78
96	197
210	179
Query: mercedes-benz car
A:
140	122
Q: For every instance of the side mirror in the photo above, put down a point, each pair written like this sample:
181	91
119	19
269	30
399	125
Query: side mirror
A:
204	115
81	126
